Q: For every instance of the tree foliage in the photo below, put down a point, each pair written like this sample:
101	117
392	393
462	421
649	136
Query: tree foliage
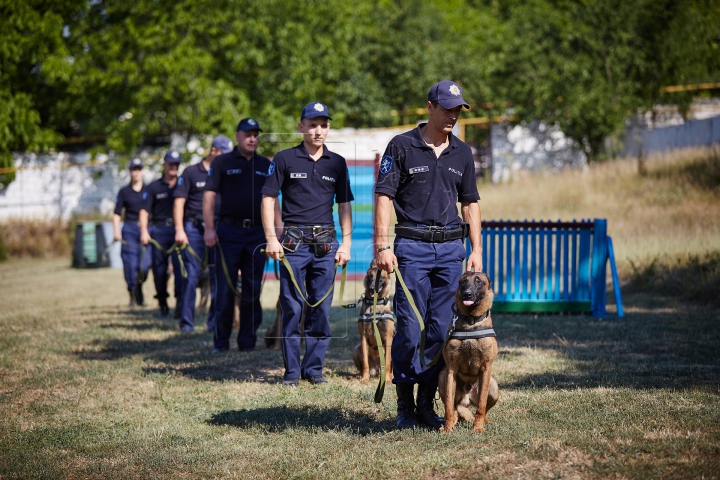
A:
124	70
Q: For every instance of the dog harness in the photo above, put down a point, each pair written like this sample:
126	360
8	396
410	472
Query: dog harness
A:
368	317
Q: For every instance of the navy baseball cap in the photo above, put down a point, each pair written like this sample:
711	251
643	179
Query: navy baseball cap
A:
448	94
135	163
172	156
222	143
315	109
247	124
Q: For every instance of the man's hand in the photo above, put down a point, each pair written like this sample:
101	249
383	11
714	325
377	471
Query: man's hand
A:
118	236
386	260
342	256
144	237
210	237
274	250
474	262
181	237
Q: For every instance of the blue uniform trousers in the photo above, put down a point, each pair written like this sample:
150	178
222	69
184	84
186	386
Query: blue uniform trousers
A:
165	236
192	266
241	248
316	275
432	272
131	253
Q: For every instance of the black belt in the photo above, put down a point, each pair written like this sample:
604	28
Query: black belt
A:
241	222
198	221
168	222
311	230
430	234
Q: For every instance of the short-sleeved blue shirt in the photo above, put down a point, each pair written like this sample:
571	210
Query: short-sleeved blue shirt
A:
131	201
239	182
426	188
158	200
191	187
308	187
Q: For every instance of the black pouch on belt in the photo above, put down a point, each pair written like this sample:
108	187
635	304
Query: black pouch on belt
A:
323	242
291	239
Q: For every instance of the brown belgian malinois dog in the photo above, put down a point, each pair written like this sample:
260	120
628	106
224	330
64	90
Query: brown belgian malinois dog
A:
366	355
467	378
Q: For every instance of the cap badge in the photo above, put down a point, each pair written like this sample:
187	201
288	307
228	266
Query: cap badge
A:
229	144
174	154
252	122
454	90
319	107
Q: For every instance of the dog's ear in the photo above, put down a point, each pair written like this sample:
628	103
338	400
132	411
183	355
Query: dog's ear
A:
373	263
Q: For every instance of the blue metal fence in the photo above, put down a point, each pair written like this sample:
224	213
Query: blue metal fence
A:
538	266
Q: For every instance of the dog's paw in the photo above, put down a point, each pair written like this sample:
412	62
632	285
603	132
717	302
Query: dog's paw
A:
365	378
446	429
479	429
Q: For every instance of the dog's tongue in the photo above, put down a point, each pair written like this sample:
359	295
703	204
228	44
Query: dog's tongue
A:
467	303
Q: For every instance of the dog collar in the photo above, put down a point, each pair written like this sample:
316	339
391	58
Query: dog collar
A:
479	318
382	301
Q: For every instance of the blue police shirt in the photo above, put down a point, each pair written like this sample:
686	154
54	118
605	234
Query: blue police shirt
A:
159	200
308	187
131	201
239	182
425	187
191	187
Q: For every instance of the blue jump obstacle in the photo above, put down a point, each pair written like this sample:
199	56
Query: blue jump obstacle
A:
538	266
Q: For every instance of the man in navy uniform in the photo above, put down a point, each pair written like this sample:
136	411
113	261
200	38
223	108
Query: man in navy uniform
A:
424	173
189	228
130	199
310	178
238	177
157	211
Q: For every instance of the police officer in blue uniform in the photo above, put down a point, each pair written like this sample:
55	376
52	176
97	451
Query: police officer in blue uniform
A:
238	177
157	210
424	173
189	228
310	178
130	199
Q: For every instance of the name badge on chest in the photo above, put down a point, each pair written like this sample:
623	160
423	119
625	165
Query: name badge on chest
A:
161	195
199	184
234	171
415	170
298	175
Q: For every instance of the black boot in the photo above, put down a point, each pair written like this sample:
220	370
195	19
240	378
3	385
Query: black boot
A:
139	298
132	299
425	408
406	406
164	310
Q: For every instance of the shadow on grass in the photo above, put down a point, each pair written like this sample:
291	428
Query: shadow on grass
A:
190	354
282	418
665	345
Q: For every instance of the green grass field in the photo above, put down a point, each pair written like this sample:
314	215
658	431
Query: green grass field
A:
90	389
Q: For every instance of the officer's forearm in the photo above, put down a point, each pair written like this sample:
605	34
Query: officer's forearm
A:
116	224
208	208
178	212
471	215
267	212
383	214
143	221
345	215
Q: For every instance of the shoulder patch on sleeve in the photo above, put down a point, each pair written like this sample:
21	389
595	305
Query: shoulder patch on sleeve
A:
144	196
181	180
271	169
386	164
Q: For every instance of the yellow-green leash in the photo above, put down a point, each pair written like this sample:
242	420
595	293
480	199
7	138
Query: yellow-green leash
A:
420	321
